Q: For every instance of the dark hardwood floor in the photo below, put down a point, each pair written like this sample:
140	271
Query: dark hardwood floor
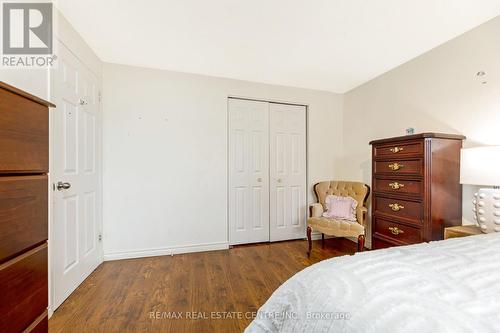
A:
138	295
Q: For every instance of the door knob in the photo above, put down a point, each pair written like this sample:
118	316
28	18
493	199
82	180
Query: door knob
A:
62	186
280	180
259	180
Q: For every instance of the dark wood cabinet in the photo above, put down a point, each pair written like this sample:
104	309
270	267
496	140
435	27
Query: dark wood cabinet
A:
24	163
23	214
416	189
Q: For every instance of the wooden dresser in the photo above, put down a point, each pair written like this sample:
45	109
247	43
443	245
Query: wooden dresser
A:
24	163
415	181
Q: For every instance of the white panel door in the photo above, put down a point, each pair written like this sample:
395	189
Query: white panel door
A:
287	171
76	249
248	171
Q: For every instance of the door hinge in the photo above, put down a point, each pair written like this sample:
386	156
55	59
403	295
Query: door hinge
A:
99	237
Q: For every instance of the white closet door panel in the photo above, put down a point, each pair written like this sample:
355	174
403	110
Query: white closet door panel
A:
248	171
76	125
287	171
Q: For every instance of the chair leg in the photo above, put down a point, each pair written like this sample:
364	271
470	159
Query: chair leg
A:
309	241
323	240
361	243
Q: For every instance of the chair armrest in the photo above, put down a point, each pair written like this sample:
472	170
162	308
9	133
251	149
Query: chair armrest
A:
361	215
316	210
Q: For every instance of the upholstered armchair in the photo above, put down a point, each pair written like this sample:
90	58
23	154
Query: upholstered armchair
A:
334	227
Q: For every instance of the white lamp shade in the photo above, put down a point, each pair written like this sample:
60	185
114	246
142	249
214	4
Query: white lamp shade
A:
480	166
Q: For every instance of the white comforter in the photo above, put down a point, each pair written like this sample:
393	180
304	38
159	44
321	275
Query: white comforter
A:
446	286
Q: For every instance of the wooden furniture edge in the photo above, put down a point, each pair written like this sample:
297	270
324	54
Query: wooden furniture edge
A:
24	94
420	136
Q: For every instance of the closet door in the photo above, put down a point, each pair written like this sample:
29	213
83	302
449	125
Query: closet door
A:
287	171
248	171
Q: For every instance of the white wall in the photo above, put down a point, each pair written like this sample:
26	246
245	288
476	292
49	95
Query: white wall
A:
34	81
165	156
436	92
67	35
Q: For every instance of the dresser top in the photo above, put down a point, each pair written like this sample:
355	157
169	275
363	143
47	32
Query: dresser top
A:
420	136
24	94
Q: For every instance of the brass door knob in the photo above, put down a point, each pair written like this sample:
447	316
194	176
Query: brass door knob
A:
396	207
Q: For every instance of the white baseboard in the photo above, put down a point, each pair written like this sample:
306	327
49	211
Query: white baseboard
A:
166	251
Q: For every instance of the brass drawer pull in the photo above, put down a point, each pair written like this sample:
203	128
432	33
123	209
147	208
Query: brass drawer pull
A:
396	185
395	166
396	231
396	207
396	149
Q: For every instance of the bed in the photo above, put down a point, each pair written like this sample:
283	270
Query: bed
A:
444	286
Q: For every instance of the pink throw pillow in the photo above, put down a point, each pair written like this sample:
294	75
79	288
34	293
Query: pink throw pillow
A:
338	207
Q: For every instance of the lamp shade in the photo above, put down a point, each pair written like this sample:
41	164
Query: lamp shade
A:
480	166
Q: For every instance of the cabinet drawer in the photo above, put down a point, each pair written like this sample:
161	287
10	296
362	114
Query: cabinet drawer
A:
399	149
398	186
399	167
24	289
24	135
378	244
23	214
397	232
399	208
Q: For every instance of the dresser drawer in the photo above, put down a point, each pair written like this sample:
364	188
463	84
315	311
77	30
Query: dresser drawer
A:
406	149
23	214
399	208
397	232
378	244
24	288
398	186
399	167
24	135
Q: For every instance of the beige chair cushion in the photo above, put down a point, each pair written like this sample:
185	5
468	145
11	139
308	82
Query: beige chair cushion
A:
338	228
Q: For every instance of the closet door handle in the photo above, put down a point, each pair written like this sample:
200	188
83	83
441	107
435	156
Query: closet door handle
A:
259	180
280	180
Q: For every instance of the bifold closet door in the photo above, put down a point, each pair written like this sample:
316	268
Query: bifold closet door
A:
287	171
248	171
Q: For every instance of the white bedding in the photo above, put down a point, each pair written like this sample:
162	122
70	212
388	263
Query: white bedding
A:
446	286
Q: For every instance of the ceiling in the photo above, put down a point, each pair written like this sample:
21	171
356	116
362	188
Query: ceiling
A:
332	45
